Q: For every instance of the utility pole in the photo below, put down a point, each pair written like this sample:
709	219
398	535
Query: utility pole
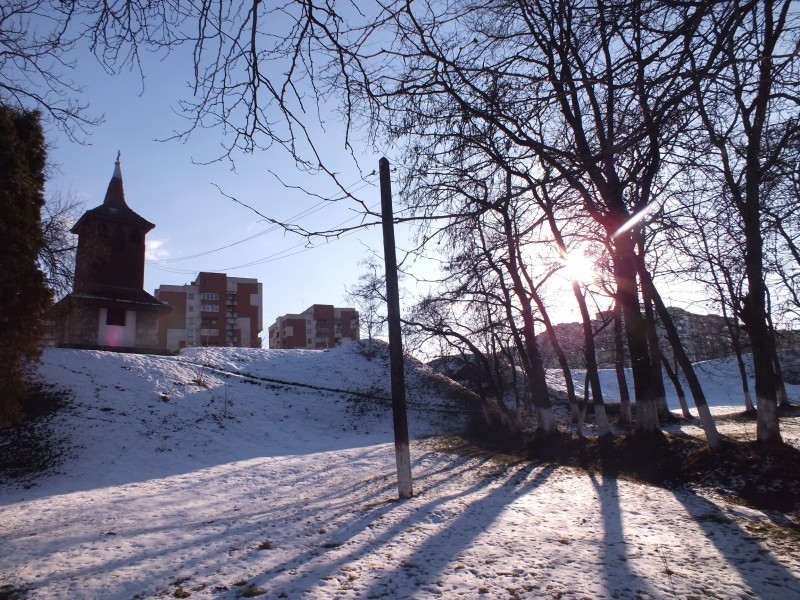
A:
395	338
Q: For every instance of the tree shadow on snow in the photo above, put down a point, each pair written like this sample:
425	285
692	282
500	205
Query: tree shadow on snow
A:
743	552
384	525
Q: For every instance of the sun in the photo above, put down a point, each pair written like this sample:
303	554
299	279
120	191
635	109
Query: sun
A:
578	267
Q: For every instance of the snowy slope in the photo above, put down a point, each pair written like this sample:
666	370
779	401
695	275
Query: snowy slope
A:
224	473
136	417
723	386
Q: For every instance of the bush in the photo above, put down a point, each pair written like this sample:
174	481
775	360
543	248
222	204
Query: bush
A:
24	295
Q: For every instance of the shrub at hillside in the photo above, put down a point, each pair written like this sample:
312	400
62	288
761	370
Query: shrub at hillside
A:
24	295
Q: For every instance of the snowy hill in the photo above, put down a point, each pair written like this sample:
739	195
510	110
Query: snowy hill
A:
143	416
228	473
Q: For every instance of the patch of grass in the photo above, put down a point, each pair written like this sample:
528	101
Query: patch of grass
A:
251	591
746	471
8	592
266	545
29	447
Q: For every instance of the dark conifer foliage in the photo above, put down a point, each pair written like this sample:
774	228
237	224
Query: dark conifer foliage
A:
24	295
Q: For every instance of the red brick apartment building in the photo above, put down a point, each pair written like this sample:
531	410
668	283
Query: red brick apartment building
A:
214	310
319	326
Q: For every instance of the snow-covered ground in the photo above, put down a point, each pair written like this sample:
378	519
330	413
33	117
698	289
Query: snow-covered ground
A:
208	475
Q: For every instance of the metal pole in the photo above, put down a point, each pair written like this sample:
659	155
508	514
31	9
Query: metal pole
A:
395	338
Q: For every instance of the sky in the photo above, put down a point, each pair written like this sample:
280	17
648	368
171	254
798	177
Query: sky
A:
259	480
178	186
187	201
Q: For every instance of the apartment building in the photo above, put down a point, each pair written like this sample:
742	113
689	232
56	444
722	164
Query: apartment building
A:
704	337
319	326
214	310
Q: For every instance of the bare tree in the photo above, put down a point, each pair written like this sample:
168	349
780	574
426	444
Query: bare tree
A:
57	257
369	297
752	91
598	93
594	91
41	41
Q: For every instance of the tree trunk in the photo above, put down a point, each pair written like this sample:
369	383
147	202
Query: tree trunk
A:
590	353
673	376
601	419
625	416
562	359
748	399
755	319
583	404
781	396
534	366
536	377
655	355
706	419
736	343
645	393
754	311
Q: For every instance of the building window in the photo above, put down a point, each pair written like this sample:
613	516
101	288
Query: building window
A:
191	295
115	316
209	296
191	309
209	307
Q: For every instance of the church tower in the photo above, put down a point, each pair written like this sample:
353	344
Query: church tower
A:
108	307
111	242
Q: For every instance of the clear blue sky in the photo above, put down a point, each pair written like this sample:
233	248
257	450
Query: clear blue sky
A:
164	185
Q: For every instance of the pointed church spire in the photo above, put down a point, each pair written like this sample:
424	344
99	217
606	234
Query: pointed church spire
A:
115	195
114	208
117	169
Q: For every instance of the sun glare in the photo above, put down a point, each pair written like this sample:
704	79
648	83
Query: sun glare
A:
578	266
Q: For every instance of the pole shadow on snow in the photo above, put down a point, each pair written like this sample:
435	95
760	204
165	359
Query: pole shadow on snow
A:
312	569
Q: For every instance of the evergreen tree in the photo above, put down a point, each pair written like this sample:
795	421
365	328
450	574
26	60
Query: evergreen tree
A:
24	295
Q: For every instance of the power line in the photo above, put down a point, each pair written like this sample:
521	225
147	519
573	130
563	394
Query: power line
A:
292	220
277	255
272	257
